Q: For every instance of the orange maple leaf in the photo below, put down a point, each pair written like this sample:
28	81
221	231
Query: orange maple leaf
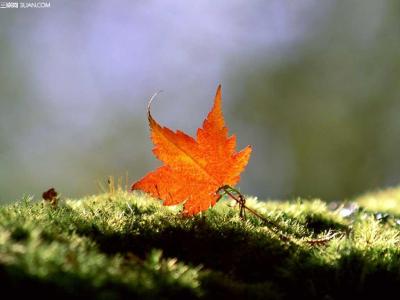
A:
194	170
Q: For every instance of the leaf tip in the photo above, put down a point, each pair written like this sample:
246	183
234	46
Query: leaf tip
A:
218	94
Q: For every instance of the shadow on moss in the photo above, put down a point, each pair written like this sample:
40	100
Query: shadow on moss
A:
318	223
241	255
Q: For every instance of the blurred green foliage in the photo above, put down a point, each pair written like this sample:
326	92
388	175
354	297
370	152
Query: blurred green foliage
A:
329	107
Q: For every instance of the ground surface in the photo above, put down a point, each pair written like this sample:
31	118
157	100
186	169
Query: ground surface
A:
120	245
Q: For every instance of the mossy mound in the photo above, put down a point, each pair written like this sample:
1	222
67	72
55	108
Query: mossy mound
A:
124	245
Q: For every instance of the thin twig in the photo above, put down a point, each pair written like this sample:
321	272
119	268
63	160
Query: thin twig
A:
274	227
323	240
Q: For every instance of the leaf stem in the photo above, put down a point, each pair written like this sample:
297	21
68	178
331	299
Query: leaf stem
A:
273	226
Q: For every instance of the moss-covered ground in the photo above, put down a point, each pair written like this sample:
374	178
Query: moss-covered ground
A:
126	245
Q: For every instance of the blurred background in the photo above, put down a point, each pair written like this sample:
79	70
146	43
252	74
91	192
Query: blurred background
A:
312	85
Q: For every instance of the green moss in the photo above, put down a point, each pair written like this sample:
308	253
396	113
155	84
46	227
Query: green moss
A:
128	245
382	201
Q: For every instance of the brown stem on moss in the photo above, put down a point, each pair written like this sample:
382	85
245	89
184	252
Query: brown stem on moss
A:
274	227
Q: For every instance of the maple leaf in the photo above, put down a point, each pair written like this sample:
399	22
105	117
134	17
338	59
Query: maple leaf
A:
194	169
